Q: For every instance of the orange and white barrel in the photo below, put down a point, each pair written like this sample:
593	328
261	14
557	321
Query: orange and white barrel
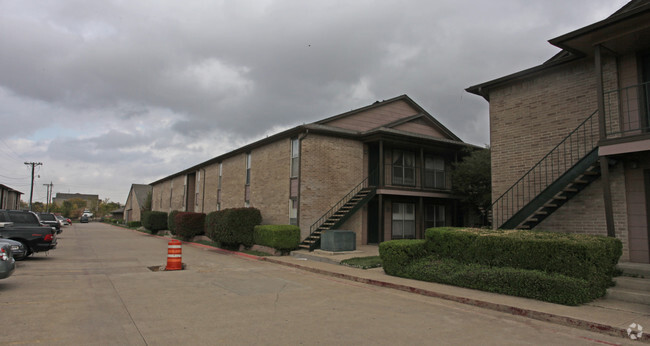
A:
174	255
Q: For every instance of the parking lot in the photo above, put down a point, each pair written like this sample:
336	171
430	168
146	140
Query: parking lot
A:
97	288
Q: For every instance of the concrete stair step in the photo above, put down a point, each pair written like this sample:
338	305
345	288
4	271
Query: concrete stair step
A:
641	270
633	284
630	296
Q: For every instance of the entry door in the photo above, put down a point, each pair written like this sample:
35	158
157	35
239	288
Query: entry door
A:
645	90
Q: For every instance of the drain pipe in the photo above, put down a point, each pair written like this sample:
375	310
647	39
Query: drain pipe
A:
203	193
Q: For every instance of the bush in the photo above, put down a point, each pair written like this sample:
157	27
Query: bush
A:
154	220
554	288
279	237
189	224
171	221
134	224
587	257
232	227
395	254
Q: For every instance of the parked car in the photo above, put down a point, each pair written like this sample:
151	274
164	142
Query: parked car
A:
7	262
18	250
51	220
25	227
83	219
62	220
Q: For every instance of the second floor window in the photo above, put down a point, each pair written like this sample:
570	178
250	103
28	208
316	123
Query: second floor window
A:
295	157
434	172
248	169
403	168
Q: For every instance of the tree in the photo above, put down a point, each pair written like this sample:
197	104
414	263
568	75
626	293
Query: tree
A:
471	179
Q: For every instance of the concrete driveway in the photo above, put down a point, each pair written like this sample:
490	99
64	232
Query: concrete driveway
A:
96	288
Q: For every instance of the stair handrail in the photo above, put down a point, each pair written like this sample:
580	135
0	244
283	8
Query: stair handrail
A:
363	184
519	194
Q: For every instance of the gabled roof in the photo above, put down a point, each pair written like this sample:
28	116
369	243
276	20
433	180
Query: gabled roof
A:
7	188
327	127
141	191
579	43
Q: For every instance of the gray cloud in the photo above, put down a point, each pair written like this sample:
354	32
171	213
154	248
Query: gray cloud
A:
140	82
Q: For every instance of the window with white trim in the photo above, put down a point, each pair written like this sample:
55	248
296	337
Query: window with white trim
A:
403	221
295	157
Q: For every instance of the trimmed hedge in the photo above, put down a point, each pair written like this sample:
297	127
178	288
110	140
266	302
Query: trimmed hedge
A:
279	237
554	288
556	267
171	221
134	224
395	254
233	227
587	257
154	220
189	224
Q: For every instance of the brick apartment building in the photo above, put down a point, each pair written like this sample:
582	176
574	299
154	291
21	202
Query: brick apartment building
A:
570	138
135	202
9	198
382	171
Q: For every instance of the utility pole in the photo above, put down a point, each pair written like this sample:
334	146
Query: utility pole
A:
49	196
31	193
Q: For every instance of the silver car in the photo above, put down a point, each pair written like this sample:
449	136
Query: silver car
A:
18	250
7	262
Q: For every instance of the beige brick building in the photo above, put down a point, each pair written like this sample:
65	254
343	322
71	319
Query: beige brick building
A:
570	138
382	171
135	202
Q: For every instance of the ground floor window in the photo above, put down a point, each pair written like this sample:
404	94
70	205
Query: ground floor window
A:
434	215
403	222
293	212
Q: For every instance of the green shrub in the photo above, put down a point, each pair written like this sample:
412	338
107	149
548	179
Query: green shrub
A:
396	254
171	221
154	220
232	227
279	237
189	224
587	257
550	287
134	224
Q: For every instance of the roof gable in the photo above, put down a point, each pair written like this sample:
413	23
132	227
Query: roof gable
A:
140	191
400	113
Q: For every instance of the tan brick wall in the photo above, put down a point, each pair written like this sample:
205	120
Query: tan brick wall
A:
529	117
160	196
177	191
207	189
233	182
330	168
270	171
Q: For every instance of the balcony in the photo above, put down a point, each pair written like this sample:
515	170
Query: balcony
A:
627	111
627	120
416	178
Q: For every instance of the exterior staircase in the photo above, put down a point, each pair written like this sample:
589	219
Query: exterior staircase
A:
560	175
339	213
633	286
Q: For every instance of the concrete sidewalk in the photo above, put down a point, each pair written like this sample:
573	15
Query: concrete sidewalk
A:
603	316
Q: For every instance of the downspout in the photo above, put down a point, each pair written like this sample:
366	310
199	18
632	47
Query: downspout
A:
203	193
300	138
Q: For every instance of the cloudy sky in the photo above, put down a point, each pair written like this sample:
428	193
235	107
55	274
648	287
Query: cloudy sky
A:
110	93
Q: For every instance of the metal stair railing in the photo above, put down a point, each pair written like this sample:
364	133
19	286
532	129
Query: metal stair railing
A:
576	145
366	183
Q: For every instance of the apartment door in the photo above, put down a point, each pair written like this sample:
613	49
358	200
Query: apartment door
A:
373	221
645	91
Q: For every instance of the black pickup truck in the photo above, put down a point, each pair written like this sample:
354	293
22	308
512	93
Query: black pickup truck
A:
25	227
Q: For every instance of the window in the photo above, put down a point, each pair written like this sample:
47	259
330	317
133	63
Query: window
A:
403	168
248	169
293	212
434	215
219	186
295	157
434	172
403	221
